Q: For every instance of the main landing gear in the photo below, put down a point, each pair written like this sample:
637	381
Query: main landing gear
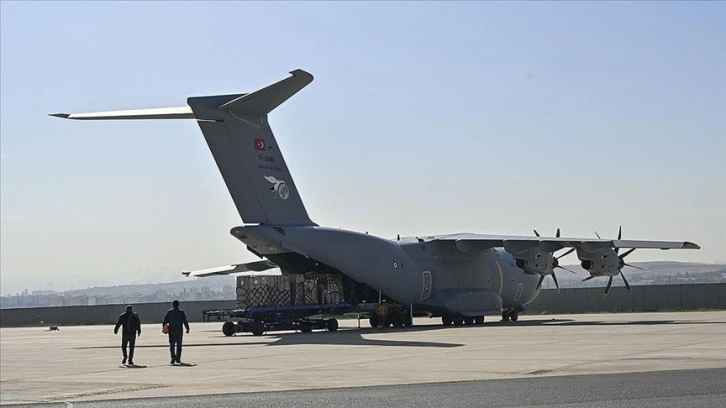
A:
508	315
460	320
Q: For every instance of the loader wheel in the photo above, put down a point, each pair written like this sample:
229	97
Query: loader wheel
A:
258	328
229	329
331	325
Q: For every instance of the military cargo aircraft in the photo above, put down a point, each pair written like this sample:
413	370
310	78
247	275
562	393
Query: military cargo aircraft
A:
460	277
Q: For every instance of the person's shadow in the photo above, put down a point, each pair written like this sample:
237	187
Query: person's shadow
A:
184	365
132	366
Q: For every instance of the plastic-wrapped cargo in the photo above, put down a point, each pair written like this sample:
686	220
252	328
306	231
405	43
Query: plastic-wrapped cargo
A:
285	290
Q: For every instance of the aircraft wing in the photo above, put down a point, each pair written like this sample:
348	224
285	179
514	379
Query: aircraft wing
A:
471	243
258	266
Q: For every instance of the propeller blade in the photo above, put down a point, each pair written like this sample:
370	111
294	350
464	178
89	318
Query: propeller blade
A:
568	270
620	235
566	253
607	288
588	278
632	266
557	285
536	233
627	285
626	253
558	233
539	284
597	235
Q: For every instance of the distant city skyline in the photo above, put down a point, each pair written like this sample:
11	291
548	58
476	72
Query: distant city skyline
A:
424	118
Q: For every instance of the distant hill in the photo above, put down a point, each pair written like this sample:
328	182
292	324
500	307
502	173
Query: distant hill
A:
653	273
214	283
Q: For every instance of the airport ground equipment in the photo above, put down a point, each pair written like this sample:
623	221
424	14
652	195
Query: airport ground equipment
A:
305	318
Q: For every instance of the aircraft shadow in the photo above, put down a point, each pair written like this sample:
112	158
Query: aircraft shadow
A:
355	337
352	338
340	338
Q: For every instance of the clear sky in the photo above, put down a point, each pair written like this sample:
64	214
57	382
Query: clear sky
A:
424	118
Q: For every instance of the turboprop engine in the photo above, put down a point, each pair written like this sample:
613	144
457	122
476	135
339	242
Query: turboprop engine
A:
538	260
605	262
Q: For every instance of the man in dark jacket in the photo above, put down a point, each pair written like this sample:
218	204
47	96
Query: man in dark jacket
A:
130	325
175	318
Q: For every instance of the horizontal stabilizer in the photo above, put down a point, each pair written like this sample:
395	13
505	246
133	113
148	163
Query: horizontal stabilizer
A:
258	266
263	101
181	112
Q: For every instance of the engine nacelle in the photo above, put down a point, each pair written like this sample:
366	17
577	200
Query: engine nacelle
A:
603	262
535	261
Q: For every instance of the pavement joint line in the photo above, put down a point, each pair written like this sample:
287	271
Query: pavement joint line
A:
61	398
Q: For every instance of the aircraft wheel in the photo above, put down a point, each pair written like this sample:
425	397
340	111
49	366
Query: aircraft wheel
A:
468	320
228	328
331	325
505	316
458	320
479	320
258	328
446	320
514	316
373	320
305	329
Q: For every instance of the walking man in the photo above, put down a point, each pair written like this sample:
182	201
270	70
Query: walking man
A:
381	312
130	325
175	318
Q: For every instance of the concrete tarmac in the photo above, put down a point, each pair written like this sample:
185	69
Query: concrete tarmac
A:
84	363
704	388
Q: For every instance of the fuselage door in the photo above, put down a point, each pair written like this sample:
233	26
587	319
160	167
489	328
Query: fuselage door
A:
426	292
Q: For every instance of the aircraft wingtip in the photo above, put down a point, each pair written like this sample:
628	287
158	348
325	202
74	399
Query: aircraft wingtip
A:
60	115
302	72
185	273
691	245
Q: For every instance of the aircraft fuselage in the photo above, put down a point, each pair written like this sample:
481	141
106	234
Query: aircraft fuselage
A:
435	276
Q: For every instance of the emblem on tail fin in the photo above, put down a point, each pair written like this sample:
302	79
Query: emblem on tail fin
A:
279	188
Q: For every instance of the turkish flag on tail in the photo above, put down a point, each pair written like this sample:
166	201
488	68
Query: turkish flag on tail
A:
260	144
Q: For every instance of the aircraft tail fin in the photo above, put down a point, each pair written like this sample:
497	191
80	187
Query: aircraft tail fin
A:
236	130
244	147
